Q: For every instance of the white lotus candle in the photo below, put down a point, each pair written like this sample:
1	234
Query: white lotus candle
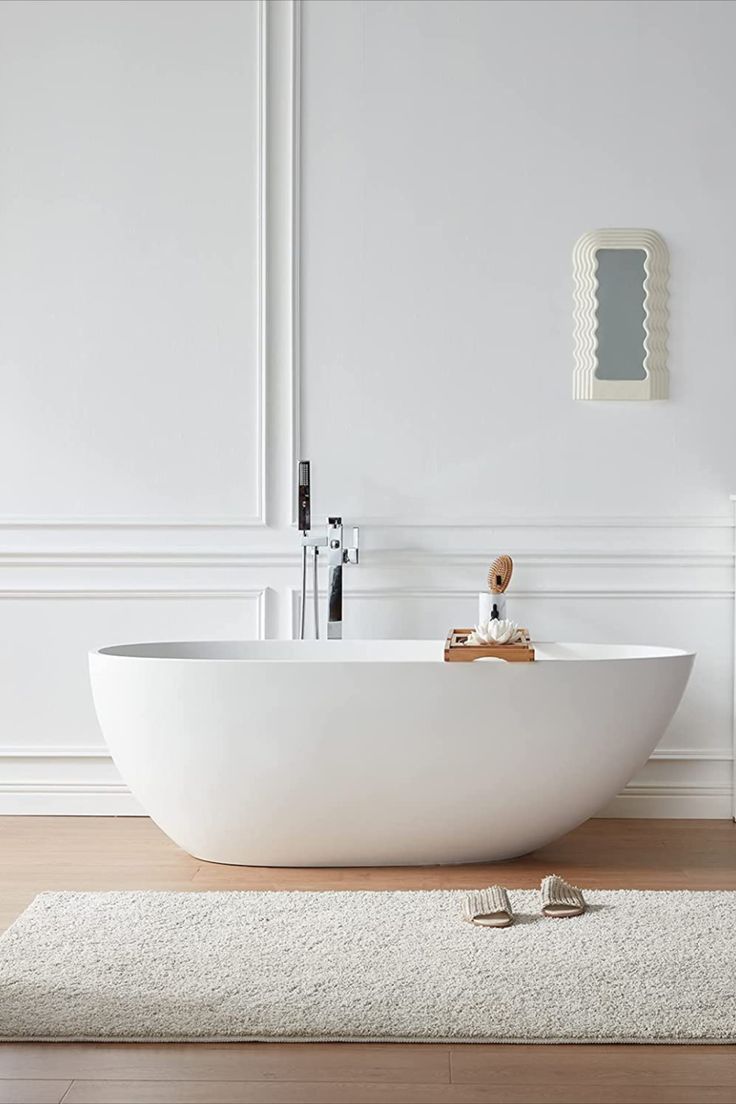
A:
495	632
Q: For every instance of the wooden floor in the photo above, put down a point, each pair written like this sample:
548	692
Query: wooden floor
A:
38	853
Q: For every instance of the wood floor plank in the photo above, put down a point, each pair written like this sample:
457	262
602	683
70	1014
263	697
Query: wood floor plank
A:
85	853
132	853
303	1092
32	1092
227	1061
613	1066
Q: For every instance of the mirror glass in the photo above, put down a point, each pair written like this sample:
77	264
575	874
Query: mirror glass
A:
620	314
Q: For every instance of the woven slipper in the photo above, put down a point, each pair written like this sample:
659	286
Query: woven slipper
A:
489	908
559	898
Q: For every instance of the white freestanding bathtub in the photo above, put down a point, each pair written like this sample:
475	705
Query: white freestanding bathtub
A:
365	753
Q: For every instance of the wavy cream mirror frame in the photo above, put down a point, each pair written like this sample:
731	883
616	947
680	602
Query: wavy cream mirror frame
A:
620	315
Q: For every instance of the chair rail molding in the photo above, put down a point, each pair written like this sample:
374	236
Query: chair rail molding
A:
560	521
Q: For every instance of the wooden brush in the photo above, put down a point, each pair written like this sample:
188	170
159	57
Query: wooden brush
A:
499	574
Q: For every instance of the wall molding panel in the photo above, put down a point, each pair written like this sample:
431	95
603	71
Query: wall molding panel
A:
259	595
266	118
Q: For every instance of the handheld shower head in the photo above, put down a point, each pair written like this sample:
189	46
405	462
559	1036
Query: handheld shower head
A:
303	501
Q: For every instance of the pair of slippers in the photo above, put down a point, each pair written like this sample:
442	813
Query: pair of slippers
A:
491	908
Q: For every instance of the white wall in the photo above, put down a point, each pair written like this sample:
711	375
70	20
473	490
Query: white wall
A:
453	152
195	292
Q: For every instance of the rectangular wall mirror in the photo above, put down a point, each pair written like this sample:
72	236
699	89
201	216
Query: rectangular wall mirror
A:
620	315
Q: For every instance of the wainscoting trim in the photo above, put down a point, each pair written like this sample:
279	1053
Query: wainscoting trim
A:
133	592
71	798
72	751
67	799
542	557
371	558
48	751
146	558
651	521
482	524
541	592
709	802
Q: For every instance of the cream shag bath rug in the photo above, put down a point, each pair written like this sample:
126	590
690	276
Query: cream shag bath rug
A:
639	967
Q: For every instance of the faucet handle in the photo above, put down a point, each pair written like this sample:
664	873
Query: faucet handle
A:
352	555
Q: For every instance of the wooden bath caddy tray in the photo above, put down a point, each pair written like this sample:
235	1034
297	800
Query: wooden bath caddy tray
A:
457	651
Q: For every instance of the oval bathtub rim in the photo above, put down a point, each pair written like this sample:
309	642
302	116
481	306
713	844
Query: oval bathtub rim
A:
597	653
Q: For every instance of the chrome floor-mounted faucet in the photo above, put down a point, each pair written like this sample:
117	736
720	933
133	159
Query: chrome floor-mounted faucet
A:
337	556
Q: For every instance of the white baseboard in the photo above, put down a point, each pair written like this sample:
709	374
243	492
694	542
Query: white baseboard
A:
671	802
114	799
81	780
67	799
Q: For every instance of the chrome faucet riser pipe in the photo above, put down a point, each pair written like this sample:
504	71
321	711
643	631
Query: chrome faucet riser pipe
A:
315	594
303	605
337	557
335	560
